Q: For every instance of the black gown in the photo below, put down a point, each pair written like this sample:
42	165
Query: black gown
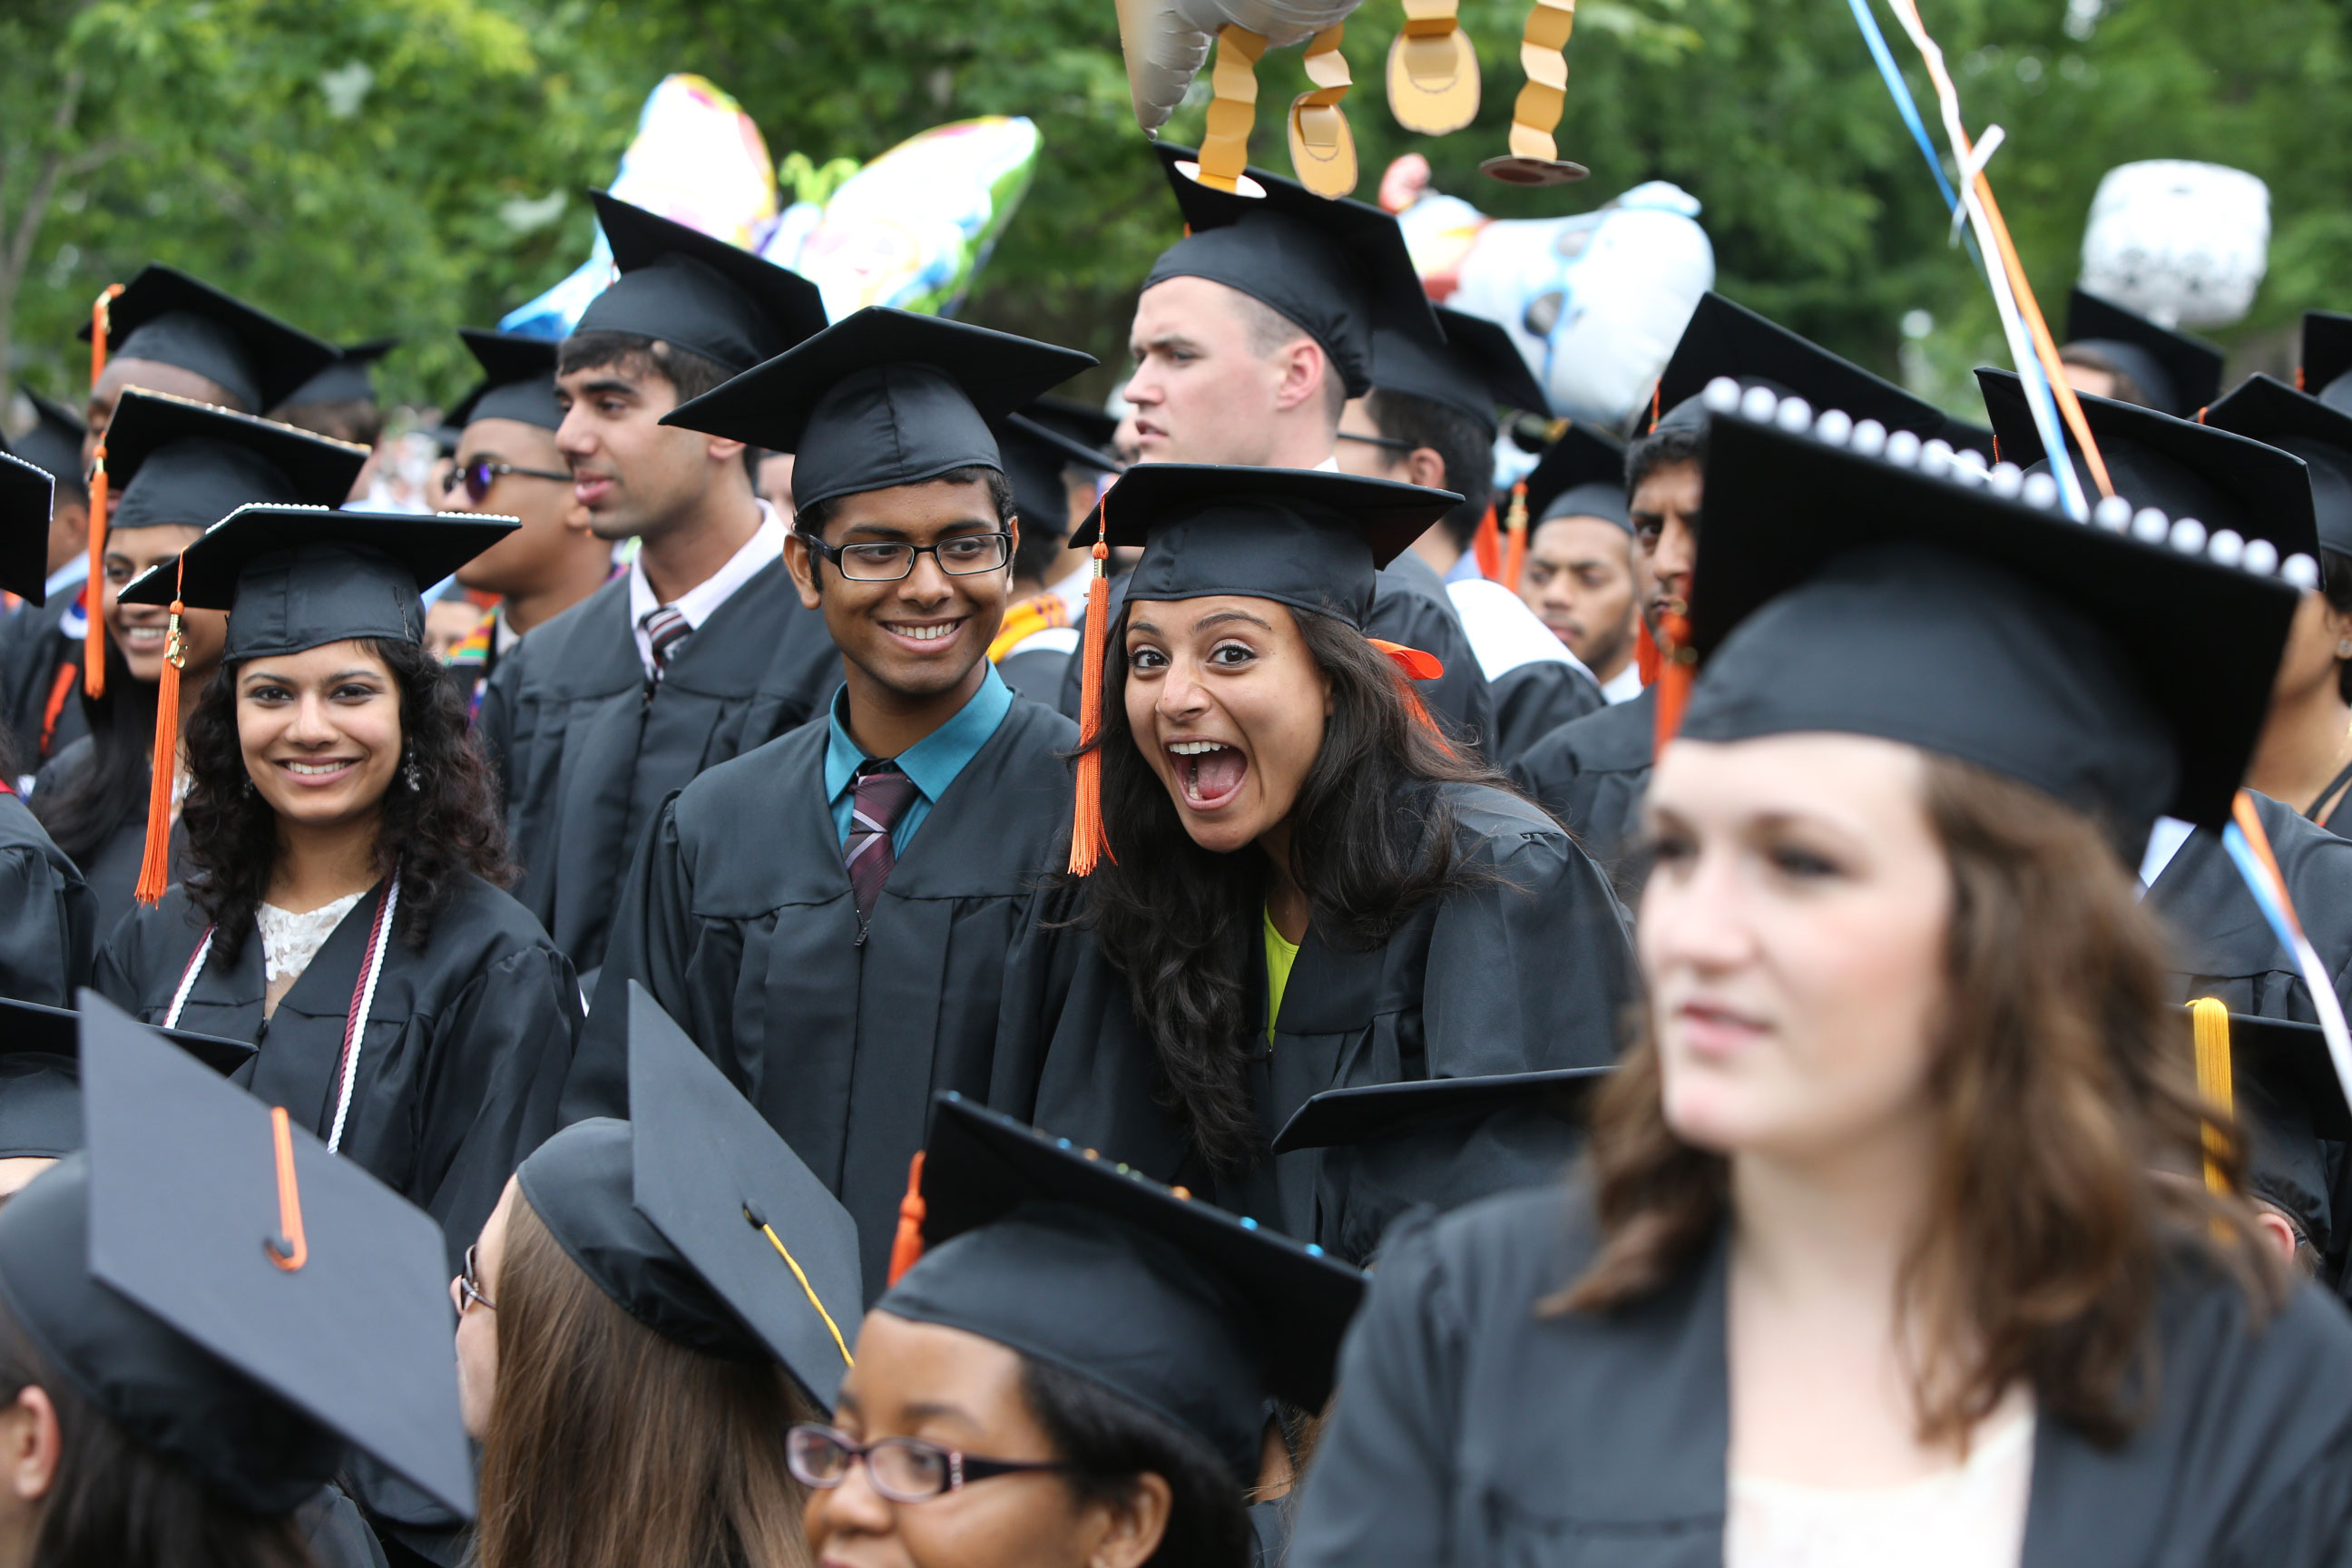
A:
111	869
586	758
1532	701
32	649
1472	1431
466	1048
738	918
2226	948
1410	605
1529	971
48	918
1592	773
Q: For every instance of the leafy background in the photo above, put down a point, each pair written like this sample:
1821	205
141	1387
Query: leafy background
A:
373	166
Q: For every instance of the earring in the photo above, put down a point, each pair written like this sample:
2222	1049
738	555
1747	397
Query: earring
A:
2344	648
408	772
248	786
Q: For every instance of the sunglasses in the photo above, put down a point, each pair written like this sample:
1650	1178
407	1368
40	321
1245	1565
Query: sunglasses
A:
480	475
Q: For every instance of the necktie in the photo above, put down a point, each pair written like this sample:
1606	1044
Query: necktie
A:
883	795
666	627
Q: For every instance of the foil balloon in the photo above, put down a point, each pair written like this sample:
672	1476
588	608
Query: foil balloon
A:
1167	42
697	159
2185	245
1595	301
912	227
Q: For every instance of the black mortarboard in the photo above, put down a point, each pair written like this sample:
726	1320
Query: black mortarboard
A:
1851	594
2288	1099
1076	1261
1337	268
183	464
54	442
517	380
297	577
2178	374
1583	474
2326	368
1967	436
2272	412
40	1088
882	397
1035	455
166	316
1477	367
228	1292
1086	423
2181	467
1308	538
684	287
351	379
1728	340
27	494
1355	1117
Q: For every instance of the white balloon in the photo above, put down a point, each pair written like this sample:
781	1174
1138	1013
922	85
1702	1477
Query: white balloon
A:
2183	244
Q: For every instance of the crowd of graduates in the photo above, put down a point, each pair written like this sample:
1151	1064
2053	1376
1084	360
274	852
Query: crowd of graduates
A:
955	980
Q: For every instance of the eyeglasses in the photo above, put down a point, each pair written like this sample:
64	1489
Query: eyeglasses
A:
480	475
966	555
904	1469
1385	443
469	1286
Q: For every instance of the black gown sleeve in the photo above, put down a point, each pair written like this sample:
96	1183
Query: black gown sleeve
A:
651	932
494	723
48	927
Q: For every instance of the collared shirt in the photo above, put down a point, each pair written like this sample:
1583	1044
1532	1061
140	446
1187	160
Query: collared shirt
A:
1625	685
1464	569
699	603
932	763
72	574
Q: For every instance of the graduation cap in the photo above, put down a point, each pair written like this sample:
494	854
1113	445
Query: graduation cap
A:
230	1294
1354	1117
2285	1093
684	287
1728	340
166	316
1035	455
2178	374
1477	368
26	495
1309	538
518	381
351	379
1967	436
2179	467
1088	424
882	397
54	442
700	1222
177	462
2270	411
1074	1260
1337	268
2326	370
1853	590
40	1088
1583	474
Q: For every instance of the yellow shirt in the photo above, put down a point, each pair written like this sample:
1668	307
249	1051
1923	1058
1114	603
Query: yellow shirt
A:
1279	956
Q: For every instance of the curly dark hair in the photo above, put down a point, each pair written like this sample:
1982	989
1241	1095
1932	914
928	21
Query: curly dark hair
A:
1371	838
448	825
1108	1442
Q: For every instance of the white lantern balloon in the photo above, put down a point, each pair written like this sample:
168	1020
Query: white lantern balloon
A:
2184	244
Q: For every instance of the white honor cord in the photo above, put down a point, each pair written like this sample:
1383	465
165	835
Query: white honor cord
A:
188	980
357	1028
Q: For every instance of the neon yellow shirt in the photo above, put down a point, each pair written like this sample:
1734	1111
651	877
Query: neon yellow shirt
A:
1279	956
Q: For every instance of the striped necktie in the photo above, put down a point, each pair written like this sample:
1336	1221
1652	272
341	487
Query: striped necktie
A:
666	627
883	795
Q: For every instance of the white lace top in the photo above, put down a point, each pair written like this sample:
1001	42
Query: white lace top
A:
290	941
1973	1516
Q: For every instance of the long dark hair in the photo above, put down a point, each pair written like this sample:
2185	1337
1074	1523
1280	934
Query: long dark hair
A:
1371	838
113	1502
1108	1442
447	826
87	807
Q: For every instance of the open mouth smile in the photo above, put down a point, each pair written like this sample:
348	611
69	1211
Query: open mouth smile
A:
1211	772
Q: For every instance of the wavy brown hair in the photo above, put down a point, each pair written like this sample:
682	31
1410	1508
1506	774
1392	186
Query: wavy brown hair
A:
609	1446
2068	1110
449	825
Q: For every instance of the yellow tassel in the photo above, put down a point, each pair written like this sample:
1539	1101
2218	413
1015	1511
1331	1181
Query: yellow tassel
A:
93	636
2212	1023
1088	841
155	869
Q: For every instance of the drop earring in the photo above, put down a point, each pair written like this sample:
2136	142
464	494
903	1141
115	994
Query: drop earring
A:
408	770
2344	648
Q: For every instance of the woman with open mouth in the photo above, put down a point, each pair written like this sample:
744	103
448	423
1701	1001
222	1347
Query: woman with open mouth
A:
1300	887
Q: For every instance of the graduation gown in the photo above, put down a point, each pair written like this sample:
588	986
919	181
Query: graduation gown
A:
1410	607
586	757
465	1051
2225	946
1529	971
1533	699
33	649
1590	773
49	918
1472	1433
739	919
111	869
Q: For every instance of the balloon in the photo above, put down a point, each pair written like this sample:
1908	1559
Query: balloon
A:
2183	244
1166	41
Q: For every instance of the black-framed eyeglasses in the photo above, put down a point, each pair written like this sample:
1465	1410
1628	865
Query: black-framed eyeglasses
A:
1385	443
965	555
470	1284
480	474
904	1469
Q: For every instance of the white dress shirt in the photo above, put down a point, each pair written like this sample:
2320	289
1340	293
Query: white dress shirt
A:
699	603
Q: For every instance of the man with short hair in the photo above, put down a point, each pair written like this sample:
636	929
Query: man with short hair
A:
700	650
1583	577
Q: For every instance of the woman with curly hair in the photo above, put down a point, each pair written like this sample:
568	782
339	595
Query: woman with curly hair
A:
1300	887
1903	1237
343	911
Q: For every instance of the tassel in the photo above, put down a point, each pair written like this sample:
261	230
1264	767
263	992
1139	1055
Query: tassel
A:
1645	651
1411	664
93	636
1487	547
1088	841
1676	665
907	1246
99	326
1515	557
155	869
2210	1019
1657	389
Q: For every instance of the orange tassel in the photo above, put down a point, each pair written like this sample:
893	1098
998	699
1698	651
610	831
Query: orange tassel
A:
93	636
100	309
1514	558
907	1246
1656	388
1088	841
1486	546
1645	651
1411	664
1677	663
155	869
